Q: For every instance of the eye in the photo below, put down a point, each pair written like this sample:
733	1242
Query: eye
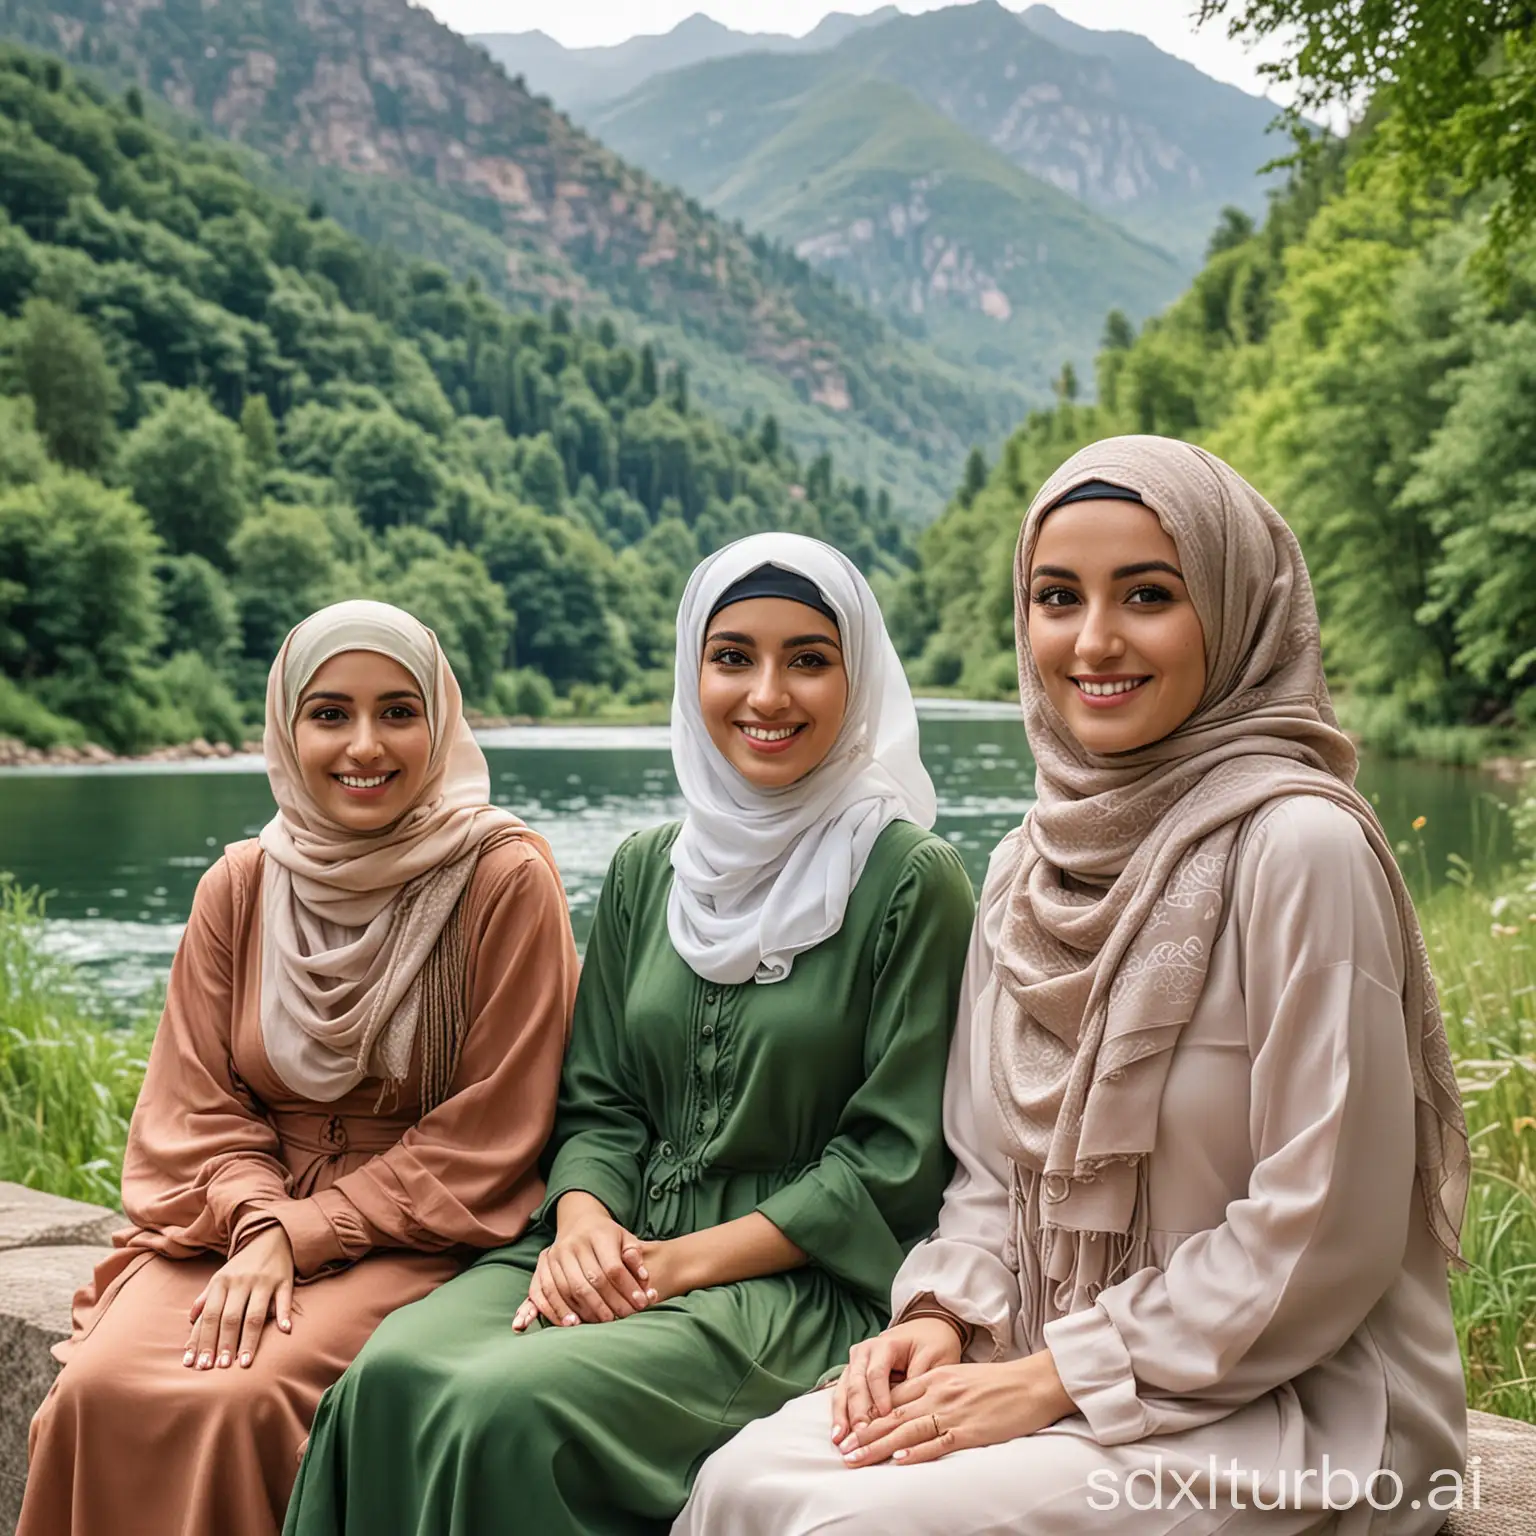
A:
328	714
1144	596
812	661
1055	597
729	656
399	712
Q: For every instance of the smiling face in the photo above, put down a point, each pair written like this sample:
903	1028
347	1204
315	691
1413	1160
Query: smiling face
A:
773	688
1115	637
362	740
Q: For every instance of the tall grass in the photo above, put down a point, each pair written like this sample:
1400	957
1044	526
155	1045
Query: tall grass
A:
1484	953
69	1073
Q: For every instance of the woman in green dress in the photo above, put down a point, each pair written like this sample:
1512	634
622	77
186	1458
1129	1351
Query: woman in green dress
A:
748	1138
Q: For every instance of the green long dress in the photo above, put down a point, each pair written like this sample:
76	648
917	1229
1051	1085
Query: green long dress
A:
683	1104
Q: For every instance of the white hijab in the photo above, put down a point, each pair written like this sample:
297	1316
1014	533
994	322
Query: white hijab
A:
760	875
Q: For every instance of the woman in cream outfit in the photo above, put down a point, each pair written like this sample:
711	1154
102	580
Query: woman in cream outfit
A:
1191	1270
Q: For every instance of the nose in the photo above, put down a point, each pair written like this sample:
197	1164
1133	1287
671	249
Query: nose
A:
365	746
768	694
1098	639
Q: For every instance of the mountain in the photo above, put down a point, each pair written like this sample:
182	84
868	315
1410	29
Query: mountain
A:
240	412
580	78
943	235
1105	116
411	133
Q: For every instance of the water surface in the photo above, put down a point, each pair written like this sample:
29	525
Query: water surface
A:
120	849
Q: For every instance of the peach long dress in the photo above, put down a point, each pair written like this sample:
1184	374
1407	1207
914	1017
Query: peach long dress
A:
381	1204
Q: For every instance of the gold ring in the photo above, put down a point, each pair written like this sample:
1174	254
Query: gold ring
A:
938	1434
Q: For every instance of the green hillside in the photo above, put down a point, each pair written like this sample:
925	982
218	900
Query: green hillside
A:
219	410
940	233
1350	360
379	90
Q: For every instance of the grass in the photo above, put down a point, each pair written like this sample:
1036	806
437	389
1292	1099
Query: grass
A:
69	1075
69	1072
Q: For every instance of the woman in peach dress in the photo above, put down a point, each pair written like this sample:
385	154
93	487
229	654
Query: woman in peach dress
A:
352	1080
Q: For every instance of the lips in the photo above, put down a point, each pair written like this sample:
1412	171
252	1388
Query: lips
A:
769	739
1108	692
366	786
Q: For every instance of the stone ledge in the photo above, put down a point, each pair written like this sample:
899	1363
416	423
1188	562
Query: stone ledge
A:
36	1285
49	1247
30	1219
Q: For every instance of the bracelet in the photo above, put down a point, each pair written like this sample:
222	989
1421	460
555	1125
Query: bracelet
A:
927	1305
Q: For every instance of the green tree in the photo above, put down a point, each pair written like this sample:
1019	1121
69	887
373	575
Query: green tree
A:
1461	77
543	476
975	476
389	470
75	390
79	609
23	454
284	567
198	610
187	468
259	431
453	595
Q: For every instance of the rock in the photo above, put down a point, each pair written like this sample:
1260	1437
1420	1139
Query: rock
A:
95	753
1501	1475
200	747
31	1219
36	1285
223	749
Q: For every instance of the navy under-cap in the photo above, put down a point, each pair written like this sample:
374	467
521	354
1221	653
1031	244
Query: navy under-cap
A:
771	580
1098	490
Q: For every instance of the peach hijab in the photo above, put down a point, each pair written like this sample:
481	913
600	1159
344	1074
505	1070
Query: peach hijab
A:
350	919
1118	891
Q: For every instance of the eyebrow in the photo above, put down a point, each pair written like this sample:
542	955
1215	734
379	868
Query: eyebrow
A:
1120	573
734	638
346	698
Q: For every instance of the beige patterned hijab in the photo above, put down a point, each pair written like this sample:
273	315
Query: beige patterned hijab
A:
349	919
1098	972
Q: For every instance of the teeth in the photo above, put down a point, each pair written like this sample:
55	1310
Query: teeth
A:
763	733
352	781
1103	690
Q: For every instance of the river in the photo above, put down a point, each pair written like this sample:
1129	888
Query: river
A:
119	849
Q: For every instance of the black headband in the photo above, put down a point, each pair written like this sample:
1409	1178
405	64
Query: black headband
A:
1098	490
774	581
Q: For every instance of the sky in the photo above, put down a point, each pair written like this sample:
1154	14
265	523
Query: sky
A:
587	23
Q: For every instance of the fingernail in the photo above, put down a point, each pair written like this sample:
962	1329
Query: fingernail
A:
284	1324
847	1443
204	1360
645	1274
639	1299
899	1456
570	1319
837	1434
245	1359
654	1295
853	1455
224	1358
187	1358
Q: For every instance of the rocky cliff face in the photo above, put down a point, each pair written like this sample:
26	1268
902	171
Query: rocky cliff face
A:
380	87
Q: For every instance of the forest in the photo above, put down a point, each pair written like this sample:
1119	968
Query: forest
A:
218	411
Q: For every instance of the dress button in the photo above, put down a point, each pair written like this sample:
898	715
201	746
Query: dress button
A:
655	1191
665	1149
698	1125
709	997
708	1031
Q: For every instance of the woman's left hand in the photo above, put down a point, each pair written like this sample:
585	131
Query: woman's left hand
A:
663	1264
959	1407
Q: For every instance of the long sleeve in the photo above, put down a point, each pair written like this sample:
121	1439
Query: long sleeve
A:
199	1147
1320	1234
962	1264
602	1134
877	1186
467	1171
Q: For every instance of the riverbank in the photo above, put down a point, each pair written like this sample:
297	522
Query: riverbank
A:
69	1077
